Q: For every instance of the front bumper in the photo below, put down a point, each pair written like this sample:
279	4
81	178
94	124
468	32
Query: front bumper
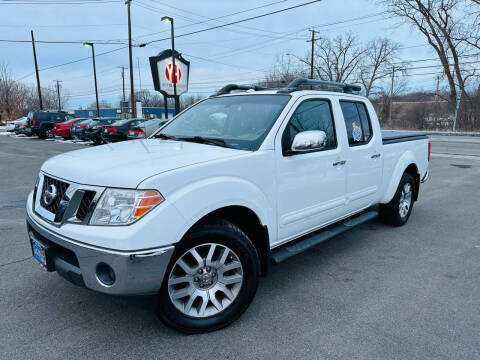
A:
136	272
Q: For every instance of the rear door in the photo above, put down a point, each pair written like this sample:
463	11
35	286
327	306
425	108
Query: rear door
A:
310	186
364	162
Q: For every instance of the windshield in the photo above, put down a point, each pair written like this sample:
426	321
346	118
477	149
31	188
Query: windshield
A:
241	121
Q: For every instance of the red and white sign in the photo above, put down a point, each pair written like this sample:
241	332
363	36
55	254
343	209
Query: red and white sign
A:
166	76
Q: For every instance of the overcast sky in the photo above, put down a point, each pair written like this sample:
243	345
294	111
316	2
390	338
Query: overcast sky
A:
241	53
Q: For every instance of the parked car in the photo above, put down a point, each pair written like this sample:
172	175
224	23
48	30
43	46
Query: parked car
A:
145	129
93	131
10	126
41	122
21	127
63	129
197	212
77	131
119	130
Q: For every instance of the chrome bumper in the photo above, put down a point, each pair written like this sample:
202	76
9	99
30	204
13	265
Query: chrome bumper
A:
135	273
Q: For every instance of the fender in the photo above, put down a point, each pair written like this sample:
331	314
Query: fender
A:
199	198
405	160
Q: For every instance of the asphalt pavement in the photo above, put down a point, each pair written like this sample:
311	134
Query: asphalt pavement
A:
376	292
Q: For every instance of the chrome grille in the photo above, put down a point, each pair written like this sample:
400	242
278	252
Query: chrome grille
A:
61	189
85	203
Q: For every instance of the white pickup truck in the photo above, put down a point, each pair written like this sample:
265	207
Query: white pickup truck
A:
197	212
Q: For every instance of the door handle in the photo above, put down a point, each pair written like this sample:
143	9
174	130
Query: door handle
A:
375	156
343	162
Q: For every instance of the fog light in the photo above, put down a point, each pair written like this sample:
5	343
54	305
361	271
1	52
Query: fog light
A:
105	274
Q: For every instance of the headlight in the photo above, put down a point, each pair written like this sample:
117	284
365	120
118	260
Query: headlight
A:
123	207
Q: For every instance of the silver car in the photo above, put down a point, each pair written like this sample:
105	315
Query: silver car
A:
145	129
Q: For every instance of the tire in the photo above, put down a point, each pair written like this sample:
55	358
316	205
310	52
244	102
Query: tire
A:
49	133
233	246
398	210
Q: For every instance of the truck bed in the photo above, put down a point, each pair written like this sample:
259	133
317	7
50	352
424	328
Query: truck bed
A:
394	136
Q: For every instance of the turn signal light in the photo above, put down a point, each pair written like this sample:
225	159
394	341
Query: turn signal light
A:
150	199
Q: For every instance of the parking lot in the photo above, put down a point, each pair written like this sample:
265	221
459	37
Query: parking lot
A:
376	292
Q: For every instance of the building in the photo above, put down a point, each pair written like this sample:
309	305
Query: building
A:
148	112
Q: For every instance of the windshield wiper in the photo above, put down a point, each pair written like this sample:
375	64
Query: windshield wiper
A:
204	140
166	137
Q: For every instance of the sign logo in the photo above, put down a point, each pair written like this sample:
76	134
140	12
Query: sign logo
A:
50	194
169	73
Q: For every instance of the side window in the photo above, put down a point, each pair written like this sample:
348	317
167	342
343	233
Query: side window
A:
359	129
310	115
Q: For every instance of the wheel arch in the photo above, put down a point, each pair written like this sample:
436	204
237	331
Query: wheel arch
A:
249	222
407	163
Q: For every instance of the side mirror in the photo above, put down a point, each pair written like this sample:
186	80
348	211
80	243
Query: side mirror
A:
309	140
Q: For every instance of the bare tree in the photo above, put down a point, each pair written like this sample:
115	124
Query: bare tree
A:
435	20
187	100
11	94
149	98
377	62
102	104
337	59
284	71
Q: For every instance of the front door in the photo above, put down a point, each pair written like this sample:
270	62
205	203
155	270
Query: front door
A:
311	186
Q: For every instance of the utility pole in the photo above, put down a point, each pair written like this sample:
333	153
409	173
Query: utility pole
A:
312	51
391	96
132	90
58	93
436	91
139	75
39	90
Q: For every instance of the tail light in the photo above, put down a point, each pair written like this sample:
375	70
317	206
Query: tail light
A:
81	126
34	122
112	129
24	125
429	150
140	132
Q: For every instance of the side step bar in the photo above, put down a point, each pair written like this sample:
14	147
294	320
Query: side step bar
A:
286	251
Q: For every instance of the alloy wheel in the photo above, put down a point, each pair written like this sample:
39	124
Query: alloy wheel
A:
405	200
205	280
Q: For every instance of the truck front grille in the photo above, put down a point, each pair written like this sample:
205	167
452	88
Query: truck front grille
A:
85	204
60	188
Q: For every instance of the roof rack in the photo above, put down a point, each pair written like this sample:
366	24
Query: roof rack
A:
232	87
295	85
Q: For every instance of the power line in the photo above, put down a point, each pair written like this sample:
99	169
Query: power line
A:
238	21
217	18
55	2
97	42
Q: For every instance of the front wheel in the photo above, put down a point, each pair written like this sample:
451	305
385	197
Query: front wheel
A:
211	280
398	210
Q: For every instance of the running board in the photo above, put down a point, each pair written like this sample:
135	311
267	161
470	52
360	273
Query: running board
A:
287	251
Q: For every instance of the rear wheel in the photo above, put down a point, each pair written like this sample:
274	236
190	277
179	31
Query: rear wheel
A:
398	210
211	280
49	133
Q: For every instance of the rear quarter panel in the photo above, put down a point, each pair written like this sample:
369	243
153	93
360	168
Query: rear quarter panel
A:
397	157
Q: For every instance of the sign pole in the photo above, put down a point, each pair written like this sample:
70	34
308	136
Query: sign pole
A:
165	102
174	72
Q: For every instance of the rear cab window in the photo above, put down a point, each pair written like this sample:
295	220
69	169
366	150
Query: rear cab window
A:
357	122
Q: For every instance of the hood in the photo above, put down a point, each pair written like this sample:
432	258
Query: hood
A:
126	164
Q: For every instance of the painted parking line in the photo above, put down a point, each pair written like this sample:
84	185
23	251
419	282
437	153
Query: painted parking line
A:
456	156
